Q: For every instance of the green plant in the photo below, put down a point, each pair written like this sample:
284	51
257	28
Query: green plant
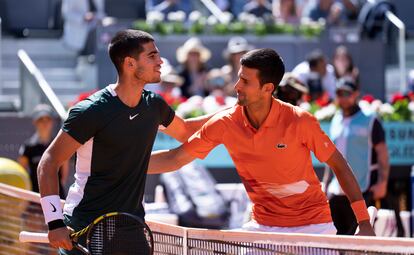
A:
198	27
142	25
163	28
178	28
237	27
260	29
310	29
401	112
220	29
283	28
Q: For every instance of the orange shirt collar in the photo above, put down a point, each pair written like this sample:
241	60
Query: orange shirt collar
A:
271	118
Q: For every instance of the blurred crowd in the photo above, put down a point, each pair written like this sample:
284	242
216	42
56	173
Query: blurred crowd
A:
289	11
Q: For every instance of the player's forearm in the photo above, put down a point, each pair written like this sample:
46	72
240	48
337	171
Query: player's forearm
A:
325	178
349	184
47	174
345	177
64	172
163	161
194	124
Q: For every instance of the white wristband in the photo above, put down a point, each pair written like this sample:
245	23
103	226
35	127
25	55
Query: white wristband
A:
52	209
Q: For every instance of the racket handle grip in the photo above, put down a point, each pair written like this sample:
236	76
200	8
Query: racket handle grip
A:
372	211
32	237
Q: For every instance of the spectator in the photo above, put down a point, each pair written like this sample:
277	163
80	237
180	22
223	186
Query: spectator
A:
286	11
81	18
193	56
291	90
344	64
317	74
33	148
333	11
259	8
360	137
236	47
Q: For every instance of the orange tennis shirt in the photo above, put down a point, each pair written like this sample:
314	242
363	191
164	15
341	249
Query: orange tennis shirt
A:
274	161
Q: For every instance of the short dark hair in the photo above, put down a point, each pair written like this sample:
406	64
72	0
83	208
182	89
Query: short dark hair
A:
314	58
268	63
127	43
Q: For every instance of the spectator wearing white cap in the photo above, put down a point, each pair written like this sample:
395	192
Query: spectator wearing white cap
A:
193	57
236	47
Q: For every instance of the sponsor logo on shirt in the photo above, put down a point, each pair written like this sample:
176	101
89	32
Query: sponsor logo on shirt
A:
131	117
281	146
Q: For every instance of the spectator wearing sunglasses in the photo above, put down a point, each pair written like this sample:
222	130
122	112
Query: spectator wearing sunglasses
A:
360	137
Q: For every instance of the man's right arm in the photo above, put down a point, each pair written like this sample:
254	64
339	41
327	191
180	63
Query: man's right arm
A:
59	151
182	129
198	146
168	160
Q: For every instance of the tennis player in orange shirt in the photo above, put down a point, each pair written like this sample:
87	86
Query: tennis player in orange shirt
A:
270	143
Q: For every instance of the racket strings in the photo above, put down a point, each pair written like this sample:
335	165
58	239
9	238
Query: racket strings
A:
120	235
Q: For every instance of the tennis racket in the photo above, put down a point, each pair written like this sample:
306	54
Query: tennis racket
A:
112	233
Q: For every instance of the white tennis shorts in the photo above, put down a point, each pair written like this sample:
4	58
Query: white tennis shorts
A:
322	228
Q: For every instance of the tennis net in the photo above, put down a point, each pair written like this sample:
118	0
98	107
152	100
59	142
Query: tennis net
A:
20	210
